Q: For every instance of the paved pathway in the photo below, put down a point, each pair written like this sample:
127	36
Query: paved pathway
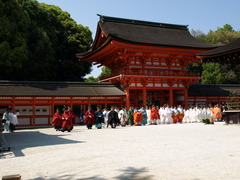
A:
176	151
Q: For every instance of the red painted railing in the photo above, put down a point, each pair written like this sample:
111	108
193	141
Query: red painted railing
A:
152	73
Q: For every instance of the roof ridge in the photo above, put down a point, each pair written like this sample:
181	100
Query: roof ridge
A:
141	22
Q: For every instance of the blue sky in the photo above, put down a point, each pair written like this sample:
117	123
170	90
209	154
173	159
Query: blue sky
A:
203	15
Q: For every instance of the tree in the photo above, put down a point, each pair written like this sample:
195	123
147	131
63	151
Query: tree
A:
13	37
223	35
225	73
91	79
212	74
105	72
40	41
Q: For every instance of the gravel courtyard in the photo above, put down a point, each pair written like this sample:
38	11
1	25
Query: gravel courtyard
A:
176	151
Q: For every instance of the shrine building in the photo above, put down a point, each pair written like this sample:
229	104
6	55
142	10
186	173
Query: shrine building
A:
37	101
147	59
148	67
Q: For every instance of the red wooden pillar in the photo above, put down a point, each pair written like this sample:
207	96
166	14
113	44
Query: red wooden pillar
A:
144	84
127	97
52	109
13	104
33	112
170	84
126	82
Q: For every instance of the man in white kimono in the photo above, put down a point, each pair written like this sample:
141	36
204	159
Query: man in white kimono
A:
122	115
162	114
168	115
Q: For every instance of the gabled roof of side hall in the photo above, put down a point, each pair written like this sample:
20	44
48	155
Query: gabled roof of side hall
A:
58	88
225	49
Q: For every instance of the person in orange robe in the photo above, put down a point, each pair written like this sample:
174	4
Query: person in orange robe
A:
57	120
154	115
175	114
89	118
181	113
137	117
217	116
68	120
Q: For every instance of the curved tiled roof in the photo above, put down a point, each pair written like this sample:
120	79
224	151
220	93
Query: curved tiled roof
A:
228	48
52	88
150	33
213	89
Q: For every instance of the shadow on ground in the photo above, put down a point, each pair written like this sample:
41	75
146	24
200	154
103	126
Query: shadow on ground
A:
28	139
129	173
134	174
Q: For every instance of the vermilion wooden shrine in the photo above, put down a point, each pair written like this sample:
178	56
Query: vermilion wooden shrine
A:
147	59
148	62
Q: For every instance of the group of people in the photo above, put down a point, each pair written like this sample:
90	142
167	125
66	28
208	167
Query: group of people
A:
7	123
200	114
153	115
63	121
100	117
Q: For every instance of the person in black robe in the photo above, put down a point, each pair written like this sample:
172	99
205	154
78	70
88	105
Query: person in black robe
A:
113	119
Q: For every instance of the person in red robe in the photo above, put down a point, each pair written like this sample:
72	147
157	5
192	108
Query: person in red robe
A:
154	115
57	120
68	120
89	118
137	117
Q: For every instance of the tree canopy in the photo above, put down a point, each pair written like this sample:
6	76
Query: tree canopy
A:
214	73
223	35
39	42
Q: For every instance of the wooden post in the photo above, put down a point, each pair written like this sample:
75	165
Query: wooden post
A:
52	109
127	97
32	123
144	92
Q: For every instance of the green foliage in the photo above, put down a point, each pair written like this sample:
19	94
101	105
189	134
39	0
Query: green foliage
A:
223	35
40	41
233	96
13	37
195	67
105	72
91	79
212	74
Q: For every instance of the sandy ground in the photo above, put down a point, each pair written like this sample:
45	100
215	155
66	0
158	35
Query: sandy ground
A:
176	151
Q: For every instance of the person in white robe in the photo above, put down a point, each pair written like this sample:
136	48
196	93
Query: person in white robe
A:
186	118
148	110
162	114
168	115
122	115
105	115
13	120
